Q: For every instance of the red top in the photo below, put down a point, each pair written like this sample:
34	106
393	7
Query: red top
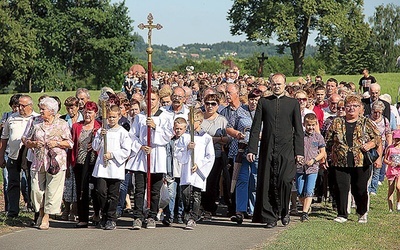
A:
76	132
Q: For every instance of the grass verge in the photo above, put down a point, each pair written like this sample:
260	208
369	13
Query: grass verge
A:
321	232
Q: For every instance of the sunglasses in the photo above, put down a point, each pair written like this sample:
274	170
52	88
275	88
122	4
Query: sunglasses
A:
211	103
302	99
341	108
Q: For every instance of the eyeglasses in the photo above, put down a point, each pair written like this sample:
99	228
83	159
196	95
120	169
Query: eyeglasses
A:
352	106
211	103
177	97
302	99
24	105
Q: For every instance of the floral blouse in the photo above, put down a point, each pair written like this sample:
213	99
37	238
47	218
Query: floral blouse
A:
57	131
336	140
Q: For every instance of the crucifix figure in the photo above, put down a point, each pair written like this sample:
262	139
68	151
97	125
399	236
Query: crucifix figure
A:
150	26
261	60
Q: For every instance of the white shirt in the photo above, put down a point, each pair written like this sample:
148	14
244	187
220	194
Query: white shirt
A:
204	157
119	145
13	130
160	137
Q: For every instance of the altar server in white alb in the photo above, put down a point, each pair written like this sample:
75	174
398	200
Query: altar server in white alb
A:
110	166
193	176
161	124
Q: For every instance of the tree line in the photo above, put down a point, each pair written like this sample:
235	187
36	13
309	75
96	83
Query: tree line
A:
49	45
54	45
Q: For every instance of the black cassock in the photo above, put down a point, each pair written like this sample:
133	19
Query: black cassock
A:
282	139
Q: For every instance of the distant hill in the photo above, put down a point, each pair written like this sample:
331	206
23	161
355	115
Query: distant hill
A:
166	57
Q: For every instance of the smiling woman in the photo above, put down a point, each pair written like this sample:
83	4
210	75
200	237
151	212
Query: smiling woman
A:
48	137
347	138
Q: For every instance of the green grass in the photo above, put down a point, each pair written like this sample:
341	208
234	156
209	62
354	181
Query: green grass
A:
390	82
321	232
5	98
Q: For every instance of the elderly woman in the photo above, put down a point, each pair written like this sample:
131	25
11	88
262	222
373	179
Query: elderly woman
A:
247	171
83	158
347	139
385	132
49	138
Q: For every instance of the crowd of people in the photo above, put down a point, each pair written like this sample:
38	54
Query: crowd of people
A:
265	148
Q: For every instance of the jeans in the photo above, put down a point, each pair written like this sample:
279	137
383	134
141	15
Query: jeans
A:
5	185
175	200
373	187
305	184
246	186
123	191
382	173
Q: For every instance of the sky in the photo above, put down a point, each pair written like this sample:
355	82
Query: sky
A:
197	21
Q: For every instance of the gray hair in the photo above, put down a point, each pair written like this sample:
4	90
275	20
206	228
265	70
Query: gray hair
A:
378	105
83	90
50	103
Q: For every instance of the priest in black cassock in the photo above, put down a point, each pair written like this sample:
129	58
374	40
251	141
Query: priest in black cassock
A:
281	147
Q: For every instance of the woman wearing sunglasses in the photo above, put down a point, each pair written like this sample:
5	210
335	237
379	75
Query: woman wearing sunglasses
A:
214	124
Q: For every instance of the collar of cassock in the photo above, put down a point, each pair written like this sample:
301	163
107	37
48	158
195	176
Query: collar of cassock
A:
280	96
199	133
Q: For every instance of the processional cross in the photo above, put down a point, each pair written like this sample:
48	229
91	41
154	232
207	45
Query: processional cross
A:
150	26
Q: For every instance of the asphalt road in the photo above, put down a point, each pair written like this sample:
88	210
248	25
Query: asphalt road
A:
220	233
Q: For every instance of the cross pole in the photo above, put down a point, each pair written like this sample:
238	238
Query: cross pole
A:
261	60
150	26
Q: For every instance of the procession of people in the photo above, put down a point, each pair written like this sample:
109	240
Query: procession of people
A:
261	148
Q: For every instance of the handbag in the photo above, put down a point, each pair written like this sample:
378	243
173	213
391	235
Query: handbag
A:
371	155
54	167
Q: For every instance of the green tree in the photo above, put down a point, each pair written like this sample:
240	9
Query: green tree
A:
17	43
385	36
289	21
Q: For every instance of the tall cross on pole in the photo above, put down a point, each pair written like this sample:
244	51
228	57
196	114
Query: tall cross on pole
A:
261	60
150	26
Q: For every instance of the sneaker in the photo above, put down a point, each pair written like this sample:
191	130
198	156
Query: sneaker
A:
238	218
340	219
179	220
110	225
71	217
372	193
151	223
362	218
166	222
102	224
207	216
137	224
304	217
398	207
190	225
379	183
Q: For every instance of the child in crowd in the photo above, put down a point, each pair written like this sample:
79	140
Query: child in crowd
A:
194	174
110	166
161	129
174	175
314	149
392	159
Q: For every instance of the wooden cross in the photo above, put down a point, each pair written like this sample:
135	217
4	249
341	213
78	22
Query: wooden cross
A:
261	64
